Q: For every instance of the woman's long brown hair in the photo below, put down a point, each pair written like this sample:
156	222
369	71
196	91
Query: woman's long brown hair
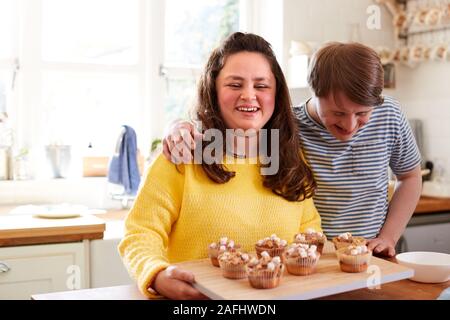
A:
294	179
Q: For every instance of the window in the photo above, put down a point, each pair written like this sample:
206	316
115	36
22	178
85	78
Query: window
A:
86	31
83	74
90	71
4	95
89	107
8	21
192	30
8	47
89	66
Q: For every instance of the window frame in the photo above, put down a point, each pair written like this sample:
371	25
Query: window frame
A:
10	66
252	17
28	99
33	68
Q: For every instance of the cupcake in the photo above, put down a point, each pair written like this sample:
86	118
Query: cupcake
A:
216	248
273	245
266	272
345	239
232	264
301	259
311	237
354	258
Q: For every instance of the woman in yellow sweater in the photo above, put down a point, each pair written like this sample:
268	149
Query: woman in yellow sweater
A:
181	209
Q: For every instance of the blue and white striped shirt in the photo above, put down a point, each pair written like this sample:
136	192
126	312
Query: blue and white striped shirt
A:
352	176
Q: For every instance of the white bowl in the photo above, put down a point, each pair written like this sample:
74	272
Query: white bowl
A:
429	267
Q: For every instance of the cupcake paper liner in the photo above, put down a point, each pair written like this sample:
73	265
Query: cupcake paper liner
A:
353	268
265	279
233	271
301	266
213	254
350	263
215	261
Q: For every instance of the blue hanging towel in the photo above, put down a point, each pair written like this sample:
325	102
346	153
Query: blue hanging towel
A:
123	168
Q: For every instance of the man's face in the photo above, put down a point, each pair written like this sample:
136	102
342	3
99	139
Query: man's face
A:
342	117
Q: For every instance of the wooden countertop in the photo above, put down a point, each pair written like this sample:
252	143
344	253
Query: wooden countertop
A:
26	230
399	290
432	205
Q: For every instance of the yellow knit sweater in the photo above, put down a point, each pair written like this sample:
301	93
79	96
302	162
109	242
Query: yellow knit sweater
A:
178	213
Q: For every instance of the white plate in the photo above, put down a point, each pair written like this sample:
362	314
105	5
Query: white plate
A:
57	215
429	267
61	211
51	211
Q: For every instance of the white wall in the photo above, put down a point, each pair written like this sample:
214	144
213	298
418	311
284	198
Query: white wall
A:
331	20
424	92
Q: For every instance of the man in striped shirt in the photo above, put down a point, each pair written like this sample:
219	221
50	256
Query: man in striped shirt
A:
350	136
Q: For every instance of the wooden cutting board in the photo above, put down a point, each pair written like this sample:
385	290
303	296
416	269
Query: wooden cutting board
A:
26	229
327	280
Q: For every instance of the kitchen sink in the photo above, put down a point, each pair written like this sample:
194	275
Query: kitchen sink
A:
436	189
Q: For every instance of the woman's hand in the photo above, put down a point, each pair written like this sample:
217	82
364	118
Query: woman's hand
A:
382	246
179	142
175	283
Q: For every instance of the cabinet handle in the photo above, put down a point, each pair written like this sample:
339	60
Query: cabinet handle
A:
4	267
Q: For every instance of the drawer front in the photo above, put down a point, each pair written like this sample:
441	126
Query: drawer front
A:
41	269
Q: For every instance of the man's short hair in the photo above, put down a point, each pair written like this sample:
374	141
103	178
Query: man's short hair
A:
350	68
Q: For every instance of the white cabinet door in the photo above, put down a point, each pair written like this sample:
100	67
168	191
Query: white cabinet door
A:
35	269
106	267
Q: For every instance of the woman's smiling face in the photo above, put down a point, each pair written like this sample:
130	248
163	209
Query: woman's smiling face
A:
340	116
246	89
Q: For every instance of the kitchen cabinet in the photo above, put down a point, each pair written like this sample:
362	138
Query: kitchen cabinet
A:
35	269
428	237
429	227
106	266
18	230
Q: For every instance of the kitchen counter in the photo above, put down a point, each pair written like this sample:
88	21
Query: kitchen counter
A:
399	290
432	205
26	230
